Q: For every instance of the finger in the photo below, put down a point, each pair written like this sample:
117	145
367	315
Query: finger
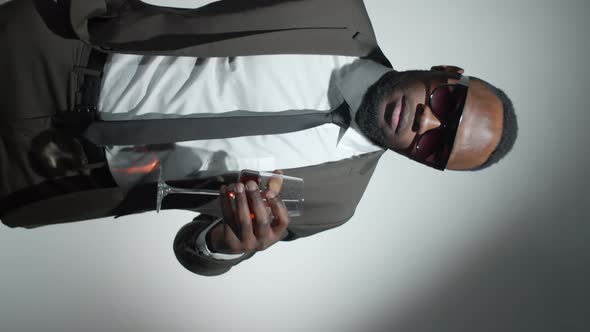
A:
243	213
280	212
276	182
258	207
227	209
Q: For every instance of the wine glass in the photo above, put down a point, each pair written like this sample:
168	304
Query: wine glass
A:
291	191
164	190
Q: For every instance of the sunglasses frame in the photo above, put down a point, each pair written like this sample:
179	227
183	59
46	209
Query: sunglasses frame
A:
463	81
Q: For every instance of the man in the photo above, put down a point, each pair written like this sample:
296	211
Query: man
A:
245	62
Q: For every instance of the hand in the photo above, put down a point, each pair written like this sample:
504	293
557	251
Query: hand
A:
251	224
54	154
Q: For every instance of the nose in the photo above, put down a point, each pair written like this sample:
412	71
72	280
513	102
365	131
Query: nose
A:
427	120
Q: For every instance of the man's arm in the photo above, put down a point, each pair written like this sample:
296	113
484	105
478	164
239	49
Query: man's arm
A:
187	253
219	29
110	21
332	193
252	221
139	26
195	259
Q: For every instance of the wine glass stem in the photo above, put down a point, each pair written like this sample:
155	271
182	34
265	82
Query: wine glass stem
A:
174	190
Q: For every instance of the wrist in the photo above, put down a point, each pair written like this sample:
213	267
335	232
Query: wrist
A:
210	241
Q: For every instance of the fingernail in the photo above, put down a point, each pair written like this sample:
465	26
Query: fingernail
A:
239	188
271	194
250	185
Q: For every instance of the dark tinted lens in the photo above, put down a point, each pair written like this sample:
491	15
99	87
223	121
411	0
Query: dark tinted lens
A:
446	100
429	144
433	147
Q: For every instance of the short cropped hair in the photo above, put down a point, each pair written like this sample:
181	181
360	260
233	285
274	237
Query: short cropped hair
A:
509	127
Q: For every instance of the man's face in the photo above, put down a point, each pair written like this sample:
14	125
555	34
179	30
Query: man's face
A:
396	109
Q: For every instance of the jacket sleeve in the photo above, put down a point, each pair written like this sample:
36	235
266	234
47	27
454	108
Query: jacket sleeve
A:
185	249
220	28
102	22
133	25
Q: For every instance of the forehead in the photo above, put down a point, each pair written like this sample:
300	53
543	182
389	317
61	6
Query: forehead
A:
480	130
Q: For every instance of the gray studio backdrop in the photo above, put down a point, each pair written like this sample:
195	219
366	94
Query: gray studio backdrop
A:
503	249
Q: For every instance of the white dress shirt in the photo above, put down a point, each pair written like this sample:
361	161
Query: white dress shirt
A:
153	87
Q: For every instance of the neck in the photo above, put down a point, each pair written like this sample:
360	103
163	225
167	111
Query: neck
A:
356	78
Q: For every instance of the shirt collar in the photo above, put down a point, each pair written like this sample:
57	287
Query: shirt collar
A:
353	81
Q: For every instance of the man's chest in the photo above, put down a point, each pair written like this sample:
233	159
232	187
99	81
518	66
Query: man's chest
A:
156	87
143	87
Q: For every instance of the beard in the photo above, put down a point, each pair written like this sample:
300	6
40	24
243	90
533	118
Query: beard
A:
368	113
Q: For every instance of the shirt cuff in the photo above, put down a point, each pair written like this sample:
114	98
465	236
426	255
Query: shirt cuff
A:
201	243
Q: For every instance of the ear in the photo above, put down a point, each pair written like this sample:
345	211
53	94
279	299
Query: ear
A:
448	69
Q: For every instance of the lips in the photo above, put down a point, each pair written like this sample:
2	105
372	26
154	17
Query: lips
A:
401	116
394	113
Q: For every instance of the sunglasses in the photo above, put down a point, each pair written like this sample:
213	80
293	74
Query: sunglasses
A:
433	148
